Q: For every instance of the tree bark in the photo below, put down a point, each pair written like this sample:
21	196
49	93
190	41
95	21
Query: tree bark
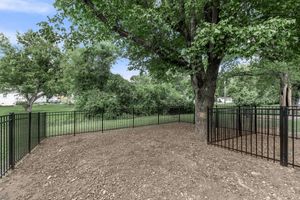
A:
204	84
28	106
30	99
285	90
204	81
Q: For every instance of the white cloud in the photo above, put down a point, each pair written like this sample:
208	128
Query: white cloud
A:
26	6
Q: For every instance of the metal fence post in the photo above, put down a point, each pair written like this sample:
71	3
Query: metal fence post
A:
194	114
11	140
217	123
179	114
29	132
45	125
208	123
239	121
74	114
251	129
132	116
157	114
102	124
39	127
255	128
284	136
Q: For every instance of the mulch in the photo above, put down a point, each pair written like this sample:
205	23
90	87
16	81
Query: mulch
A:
154	162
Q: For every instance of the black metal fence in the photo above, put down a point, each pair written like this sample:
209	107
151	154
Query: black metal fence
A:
73	122
267	132
20	133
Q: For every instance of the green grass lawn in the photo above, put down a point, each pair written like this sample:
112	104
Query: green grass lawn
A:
229	120
4	110
58	124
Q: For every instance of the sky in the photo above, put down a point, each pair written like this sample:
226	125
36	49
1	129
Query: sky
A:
21	15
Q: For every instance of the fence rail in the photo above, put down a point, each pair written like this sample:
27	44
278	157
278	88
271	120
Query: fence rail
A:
20	133
267	132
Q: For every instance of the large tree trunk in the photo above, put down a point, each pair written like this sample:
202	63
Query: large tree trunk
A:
28	106
30	100
204	84
285	90
204	81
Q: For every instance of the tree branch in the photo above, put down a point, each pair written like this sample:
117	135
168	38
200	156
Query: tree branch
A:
235	74
39	95
164	55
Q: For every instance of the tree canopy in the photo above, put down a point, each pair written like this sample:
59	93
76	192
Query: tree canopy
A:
87	76
87	68
31	67
190	36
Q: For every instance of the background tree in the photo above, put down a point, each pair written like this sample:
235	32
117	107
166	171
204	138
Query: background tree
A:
86	75
123	89
152	93
253	90
285	73
89	67
185	35
32	67
265	76
116	98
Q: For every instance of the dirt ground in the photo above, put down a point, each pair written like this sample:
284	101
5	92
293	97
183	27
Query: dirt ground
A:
154	162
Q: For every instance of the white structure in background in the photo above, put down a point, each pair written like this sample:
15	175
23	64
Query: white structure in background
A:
224	100
8	99
54	99
42	99
11	98
67	99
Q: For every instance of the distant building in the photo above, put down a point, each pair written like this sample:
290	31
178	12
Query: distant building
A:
224	100
67	99
12	98
9	99
42	99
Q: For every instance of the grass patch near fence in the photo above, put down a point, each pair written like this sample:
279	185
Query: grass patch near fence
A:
65	125
4	110
271	120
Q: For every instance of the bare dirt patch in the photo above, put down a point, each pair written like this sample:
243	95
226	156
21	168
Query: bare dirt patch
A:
154	162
